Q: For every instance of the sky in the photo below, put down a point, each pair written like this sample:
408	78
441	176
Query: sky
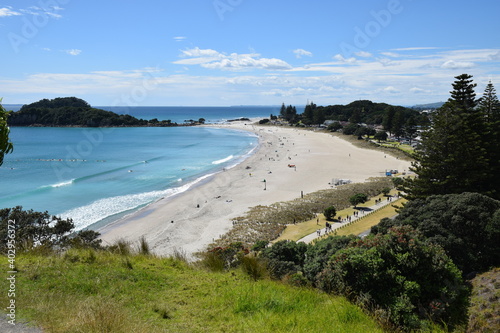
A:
245	52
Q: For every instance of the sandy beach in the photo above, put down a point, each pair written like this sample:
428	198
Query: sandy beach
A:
290	161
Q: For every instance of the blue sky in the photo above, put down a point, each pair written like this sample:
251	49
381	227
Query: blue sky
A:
243	52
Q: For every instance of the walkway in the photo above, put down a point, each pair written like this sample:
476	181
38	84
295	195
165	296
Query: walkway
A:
362	212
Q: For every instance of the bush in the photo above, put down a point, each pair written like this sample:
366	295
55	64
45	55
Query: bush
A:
358	198
466	225
402	274
330	213
284	257
320	252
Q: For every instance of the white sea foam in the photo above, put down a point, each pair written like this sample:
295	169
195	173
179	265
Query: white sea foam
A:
230	157
98	210
61	184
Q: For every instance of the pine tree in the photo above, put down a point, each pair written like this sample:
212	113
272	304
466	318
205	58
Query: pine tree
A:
388	119
397	124
452	157
490	108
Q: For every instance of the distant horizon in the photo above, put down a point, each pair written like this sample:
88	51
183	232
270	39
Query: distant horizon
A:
218	106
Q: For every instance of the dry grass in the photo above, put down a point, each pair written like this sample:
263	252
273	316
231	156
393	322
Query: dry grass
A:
268	222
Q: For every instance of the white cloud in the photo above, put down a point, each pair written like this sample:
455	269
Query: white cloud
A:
416	48
451	64
363	54
301	52
391	90
213	59
179	38
495	56
390	54
7	11
341	58
73	52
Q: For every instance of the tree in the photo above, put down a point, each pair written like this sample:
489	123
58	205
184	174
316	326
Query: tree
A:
489	104
452	156
490	108
358	198
397	124
410	128
309	112
388	118
381	136
355	117
34	229
330	213
466	225
6	146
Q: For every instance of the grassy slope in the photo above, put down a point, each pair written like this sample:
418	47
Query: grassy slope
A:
87	291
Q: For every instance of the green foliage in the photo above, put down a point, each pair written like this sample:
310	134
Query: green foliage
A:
320	252
466	225
385	191
284	257
400	273
381	136
457	153
6	146
40	230
225	257
350	129
330	213
259	245
335	126
358	198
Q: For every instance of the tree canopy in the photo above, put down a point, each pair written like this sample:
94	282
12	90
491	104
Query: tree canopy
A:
455	152
6	146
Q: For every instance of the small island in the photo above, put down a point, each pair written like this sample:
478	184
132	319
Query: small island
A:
75	112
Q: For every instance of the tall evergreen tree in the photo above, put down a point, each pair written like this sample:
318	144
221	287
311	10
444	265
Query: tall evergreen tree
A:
490	108
452	157
397	124
388	119
308	114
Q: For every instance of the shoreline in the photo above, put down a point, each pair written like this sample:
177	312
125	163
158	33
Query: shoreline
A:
292	161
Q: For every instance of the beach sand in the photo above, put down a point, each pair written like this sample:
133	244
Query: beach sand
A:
177	223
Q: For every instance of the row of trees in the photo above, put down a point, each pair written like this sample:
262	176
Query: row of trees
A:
393	118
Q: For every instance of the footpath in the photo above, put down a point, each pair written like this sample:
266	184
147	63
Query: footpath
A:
362	212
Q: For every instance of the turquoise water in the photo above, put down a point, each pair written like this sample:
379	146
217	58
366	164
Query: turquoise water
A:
91	174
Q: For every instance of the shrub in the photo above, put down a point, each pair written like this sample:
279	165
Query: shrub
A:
254	267
330	213
402	274
320	252
466	225
358	198
284	257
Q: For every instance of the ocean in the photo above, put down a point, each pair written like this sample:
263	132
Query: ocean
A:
96	175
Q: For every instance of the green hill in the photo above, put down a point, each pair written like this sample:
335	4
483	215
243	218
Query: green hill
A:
97	291
72	111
